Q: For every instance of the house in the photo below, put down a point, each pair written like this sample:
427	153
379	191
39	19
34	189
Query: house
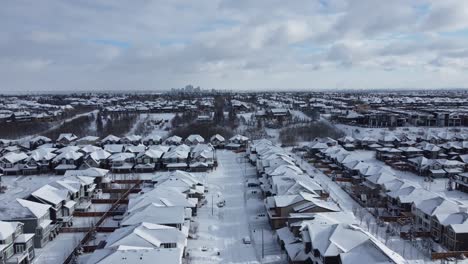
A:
110	139
239	139
148	161
371	191
5	142
114	148
430	151
174	140
122	162
100	176
38	141
176	158
147	235
134	255
12	163
411	152
152	140
194	140
217	141
68	160
135	148
424	210
62	206
173	216
39	161
35	217
181	181
66	138
279	207
450	230
402	199
202	154
95	159
131	139
341	243
163	197
15	246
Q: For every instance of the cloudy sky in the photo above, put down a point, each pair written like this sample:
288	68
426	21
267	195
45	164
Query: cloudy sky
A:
74	45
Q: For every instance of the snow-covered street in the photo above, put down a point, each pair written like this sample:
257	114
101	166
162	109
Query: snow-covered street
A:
222	229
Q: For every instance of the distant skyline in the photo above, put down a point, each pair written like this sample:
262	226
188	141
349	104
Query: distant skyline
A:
100	45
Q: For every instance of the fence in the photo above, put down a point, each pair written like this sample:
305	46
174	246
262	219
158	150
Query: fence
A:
89	234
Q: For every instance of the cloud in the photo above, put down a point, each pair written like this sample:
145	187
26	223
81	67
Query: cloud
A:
232	44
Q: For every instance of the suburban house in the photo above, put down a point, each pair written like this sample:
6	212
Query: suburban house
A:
148	160
194	140
15	246
62	207
173	216
38	141
147	235
12	163
280	207
125	255
218	141
131	139
152	140
35	217
110	139
67	160
66	139
39	161
174	140
176	158
122	162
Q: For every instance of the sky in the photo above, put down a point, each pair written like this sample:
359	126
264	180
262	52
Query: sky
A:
102	45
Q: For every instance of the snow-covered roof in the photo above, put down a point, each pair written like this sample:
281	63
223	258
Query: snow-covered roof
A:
67	137
195	138
69	155
217	137
156	214
100	154
146	235
42	154
90	172
50	194
110	138
140	255
14	157
7	229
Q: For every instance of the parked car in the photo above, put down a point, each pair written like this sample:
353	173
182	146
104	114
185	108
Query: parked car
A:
247	240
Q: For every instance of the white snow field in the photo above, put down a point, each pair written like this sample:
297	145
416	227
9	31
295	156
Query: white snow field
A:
222	229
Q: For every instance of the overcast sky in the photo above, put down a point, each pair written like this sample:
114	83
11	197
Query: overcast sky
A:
232	44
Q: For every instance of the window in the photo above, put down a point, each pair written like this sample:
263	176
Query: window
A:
19	248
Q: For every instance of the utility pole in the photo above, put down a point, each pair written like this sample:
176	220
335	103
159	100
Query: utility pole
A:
212	206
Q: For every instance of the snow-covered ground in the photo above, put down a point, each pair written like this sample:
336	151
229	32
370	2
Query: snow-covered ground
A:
222	229
22	186
162	130
60	123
